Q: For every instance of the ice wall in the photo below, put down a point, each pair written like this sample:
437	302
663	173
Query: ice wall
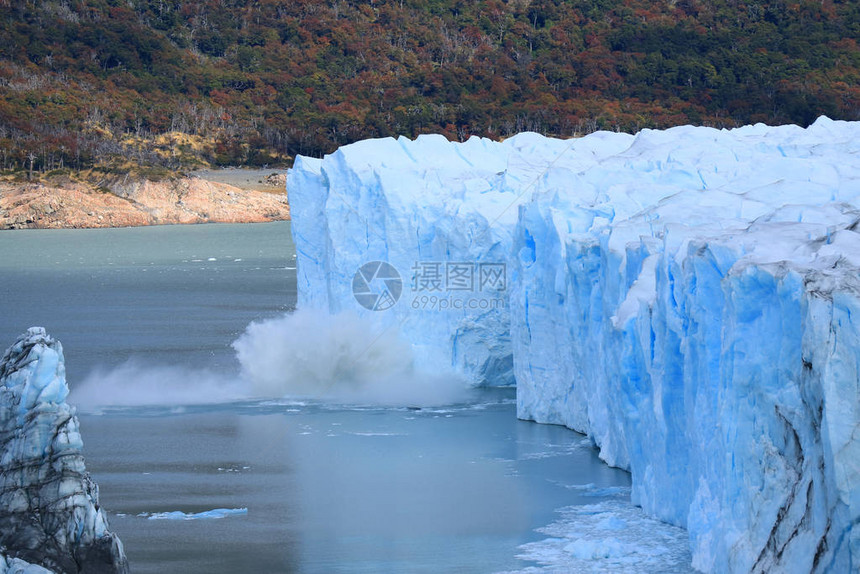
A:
692	305
426	203
688	298
49	505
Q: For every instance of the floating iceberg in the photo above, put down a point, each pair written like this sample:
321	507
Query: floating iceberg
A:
688	298
213	514
49	506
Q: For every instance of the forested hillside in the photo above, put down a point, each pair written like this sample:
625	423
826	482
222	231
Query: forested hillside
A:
174	82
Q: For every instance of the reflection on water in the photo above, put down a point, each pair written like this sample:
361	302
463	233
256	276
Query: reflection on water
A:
328	488
336	489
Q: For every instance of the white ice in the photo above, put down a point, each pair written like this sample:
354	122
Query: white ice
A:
18	566
45	491
689	298
213	514
609	536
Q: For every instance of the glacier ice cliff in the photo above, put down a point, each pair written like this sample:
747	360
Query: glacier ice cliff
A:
425	201
688	298
50	519
696	313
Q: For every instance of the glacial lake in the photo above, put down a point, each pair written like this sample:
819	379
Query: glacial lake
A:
305	485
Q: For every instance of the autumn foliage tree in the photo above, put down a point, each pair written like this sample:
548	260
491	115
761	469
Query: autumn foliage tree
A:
84	82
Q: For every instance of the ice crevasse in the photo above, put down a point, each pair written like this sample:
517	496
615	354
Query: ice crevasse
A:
689	298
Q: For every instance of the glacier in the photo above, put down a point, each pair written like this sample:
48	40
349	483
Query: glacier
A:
50	518
425	202
688	298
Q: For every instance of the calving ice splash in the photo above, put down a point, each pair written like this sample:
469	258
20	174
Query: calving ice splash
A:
689	298
308	353
343	357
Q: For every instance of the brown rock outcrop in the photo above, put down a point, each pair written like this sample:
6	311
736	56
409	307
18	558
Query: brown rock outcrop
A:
135	203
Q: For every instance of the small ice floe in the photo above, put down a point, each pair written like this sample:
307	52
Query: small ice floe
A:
234	468
205	515
610	536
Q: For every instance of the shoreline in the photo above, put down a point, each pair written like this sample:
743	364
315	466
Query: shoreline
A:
191	199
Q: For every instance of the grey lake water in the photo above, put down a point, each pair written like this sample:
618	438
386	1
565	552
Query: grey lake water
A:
305	485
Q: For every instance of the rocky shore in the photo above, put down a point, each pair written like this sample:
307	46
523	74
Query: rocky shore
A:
70	204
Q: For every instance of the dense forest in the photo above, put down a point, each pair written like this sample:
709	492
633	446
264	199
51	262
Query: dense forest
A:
172	83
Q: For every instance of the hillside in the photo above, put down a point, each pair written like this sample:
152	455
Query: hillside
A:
179	83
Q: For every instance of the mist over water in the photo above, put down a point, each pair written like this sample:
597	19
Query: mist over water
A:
328	487
135	383
303	354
